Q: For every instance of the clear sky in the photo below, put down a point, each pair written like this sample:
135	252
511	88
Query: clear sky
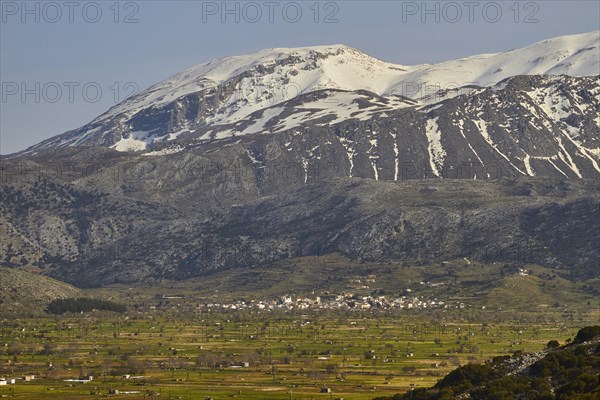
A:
63	63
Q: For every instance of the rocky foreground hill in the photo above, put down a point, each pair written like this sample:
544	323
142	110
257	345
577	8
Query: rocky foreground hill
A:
570	372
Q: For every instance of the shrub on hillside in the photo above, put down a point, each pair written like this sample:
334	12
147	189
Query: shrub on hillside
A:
587	333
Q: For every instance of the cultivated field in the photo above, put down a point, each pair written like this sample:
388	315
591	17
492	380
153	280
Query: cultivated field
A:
178	348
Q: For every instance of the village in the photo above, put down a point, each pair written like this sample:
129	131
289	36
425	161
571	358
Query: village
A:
359	295
344	301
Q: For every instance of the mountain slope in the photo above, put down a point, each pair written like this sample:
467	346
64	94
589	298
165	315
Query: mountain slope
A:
22	290
527	126
92	237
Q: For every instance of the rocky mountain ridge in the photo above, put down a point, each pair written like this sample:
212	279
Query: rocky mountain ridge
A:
237	96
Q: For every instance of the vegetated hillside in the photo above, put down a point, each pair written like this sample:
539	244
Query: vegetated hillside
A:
496	285
30	292
571	372
47	222
86	236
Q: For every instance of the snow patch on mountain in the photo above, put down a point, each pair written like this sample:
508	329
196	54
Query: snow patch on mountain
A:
436	151
137	141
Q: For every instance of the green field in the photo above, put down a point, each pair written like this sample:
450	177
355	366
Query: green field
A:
193	356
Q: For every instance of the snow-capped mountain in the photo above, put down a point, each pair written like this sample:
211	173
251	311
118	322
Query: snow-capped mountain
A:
259	154
344	68
532	126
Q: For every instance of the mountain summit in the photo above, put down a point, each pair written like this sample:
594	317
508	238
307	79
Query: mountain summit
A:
220	98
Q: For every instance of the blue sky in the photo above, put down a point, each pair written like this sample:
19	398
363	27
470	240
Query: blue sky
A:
62	64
